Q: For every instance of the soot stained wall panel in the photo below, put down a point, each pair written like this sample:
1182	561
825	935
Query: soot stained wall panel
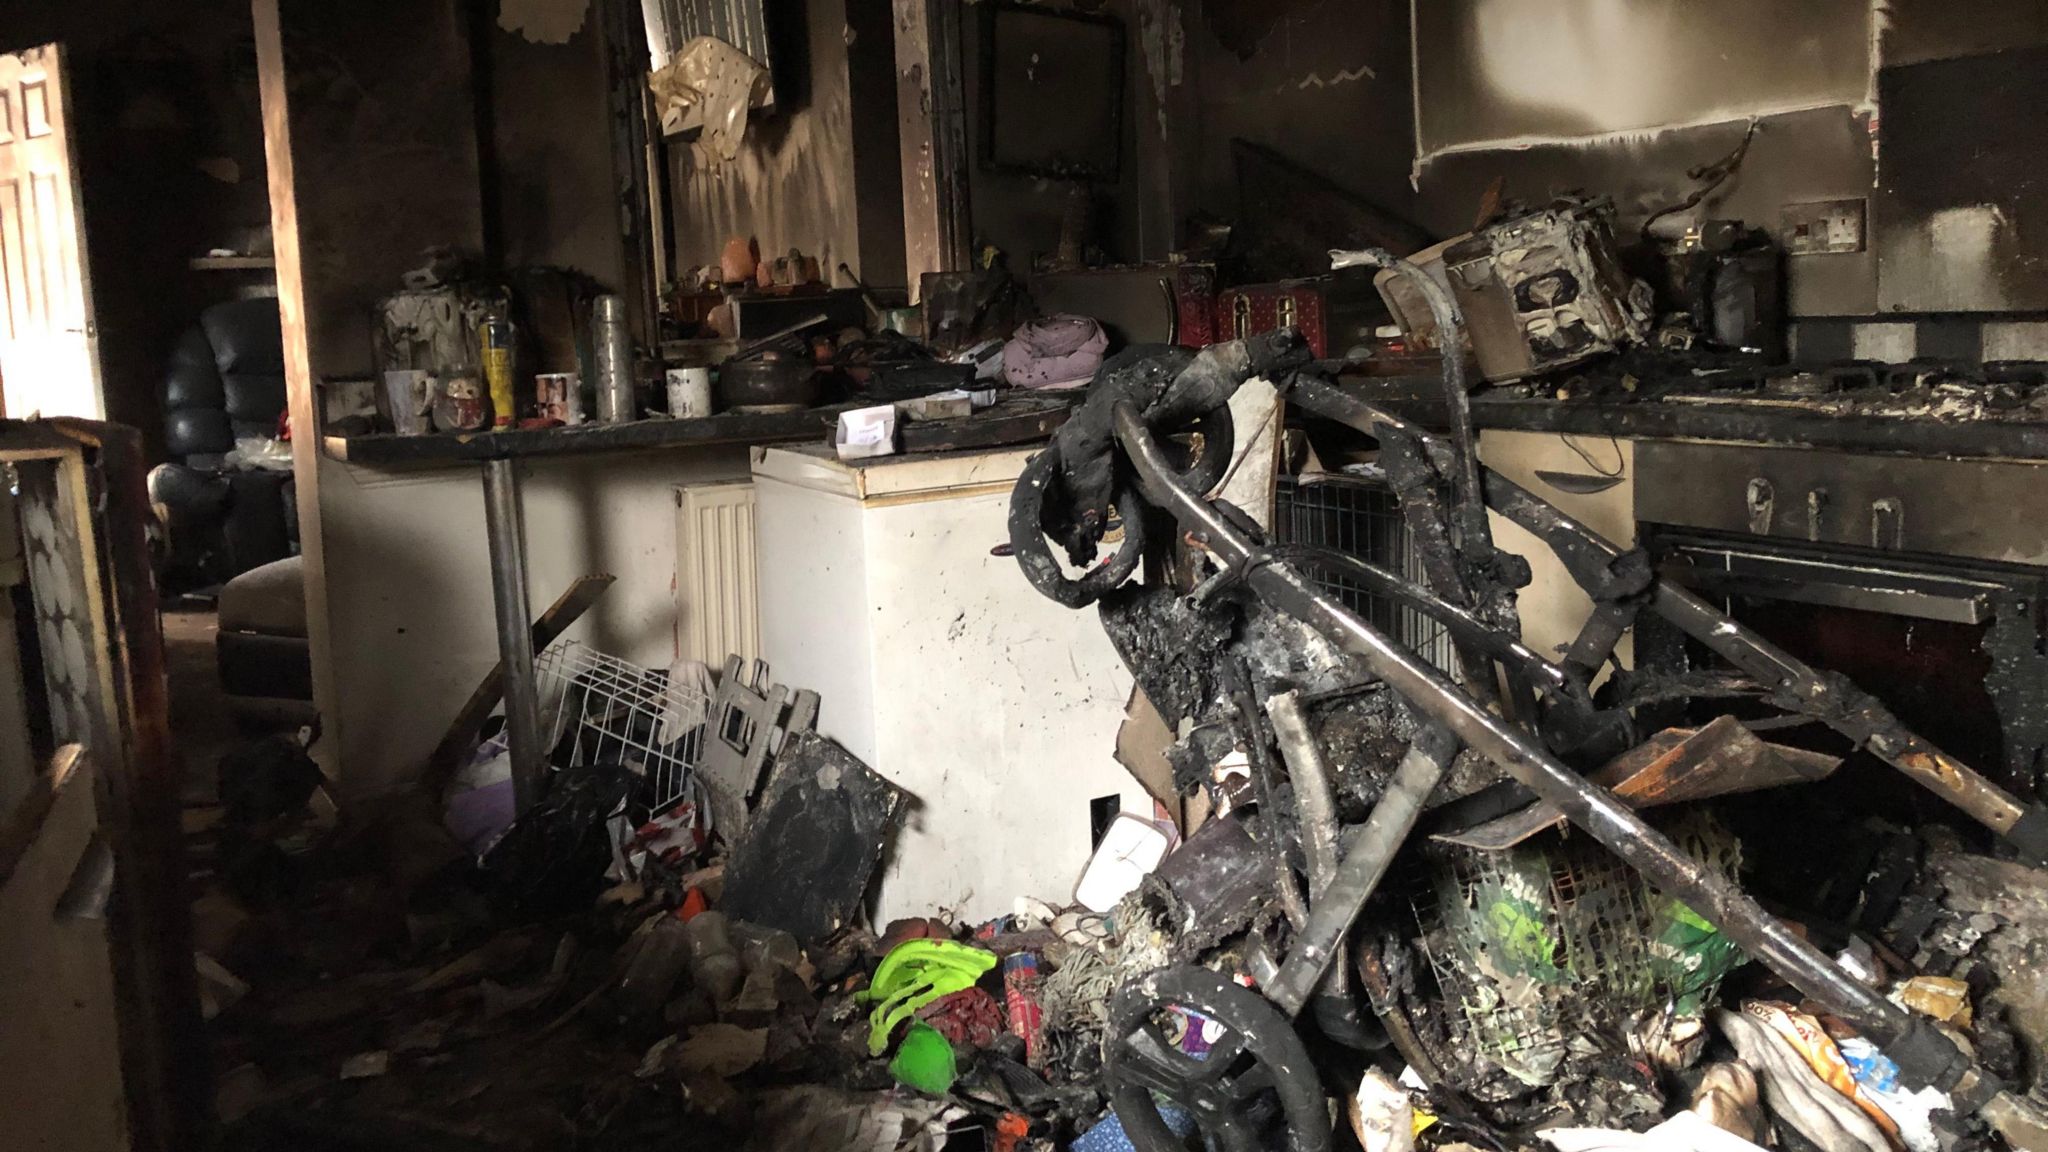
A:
1916	31
792	184
1962	204
1818	154
1504	70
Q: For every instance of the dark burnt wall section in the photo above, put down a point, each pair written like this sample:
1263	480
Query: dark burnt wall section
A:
1960	214
1324	84
1321	84
1917	31
548	165
77	22
877	163
808	174
450	129
384	128
1956	212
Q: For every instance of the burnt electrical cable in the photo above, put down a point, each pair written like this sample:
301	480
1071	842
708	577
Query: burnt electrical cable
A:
1714	175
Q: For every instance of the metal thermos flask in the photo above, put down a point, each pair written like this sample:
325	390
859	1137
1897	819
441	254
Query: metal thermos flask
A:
613	338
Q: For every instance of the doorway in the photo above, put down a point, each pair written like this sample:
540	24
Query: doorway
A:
48	359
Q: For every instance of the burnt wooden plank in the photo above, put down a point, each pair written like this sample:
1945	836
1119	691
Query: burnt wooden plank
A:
568	608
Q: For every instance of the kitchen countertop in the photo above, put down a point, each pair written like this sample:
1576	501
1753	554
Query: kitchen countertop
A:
1025	418
386	448
1944	420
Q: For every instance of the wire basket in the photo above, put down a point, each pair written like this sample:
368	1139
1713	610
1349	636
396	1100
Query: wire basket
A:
599	709
1537	943
1361	516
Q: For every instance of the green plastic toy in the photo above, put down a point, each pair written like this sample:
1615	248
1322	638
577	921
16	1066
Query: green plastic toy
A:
912	975
924	1060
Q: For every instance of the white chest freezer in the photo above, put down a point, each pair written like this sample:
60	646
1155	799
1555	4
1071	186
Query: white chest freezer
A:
937	664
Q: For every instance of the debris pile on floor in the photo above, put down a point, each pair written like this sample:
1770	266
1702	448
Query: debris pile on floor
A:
609	970
586	984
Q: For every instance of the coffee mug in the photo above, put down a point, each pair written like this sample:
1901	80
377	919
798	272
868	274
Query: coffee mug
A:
409	395
689	393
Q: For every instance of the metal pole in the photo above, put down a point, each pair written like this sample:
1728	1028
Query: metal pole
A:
1862	718
1369	851
1319	831
515	638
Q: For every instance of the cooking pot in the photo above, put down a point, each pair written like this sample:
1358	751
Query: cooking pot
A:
767	384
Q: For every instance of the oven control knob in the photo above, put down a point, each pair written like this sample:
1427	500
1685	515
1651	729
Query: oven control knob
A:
1760	498
1816	509
1888	523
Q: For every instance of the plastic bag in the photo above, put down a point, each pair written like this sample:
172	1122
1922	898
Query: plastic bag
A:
1811	1041
1878	1077
264	452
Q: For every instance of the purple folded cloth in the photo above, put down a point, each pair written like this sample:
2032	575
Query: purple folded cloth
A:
1054	352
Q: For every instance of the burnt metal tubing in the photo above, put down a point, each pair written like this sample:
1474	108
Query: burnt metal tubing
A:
510	600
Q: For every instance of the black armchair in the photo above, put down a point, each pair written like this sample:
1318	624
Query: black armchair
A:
225	382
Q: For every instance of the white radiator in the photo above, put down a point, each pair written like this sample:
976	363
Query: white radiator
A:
717	606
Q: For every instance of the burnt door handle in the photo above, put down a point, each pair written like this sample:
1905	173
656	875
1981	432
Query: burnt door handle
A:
1760	498
1816	509
1894	509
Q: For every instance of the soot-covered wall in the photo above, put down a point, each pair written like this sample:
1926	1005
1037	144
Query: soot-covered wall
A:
1324	84
1931	120
1134	217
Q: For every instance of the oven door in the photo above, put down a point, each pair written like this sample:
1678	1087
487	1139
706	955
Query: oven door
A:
1953	647
1881	583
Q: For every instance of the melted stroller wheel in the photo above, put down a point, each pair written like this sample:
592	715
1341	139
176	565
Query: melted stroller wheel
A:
1254	1088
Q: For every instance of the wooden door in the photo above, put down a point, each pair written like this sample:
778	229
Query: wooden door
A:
48	354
